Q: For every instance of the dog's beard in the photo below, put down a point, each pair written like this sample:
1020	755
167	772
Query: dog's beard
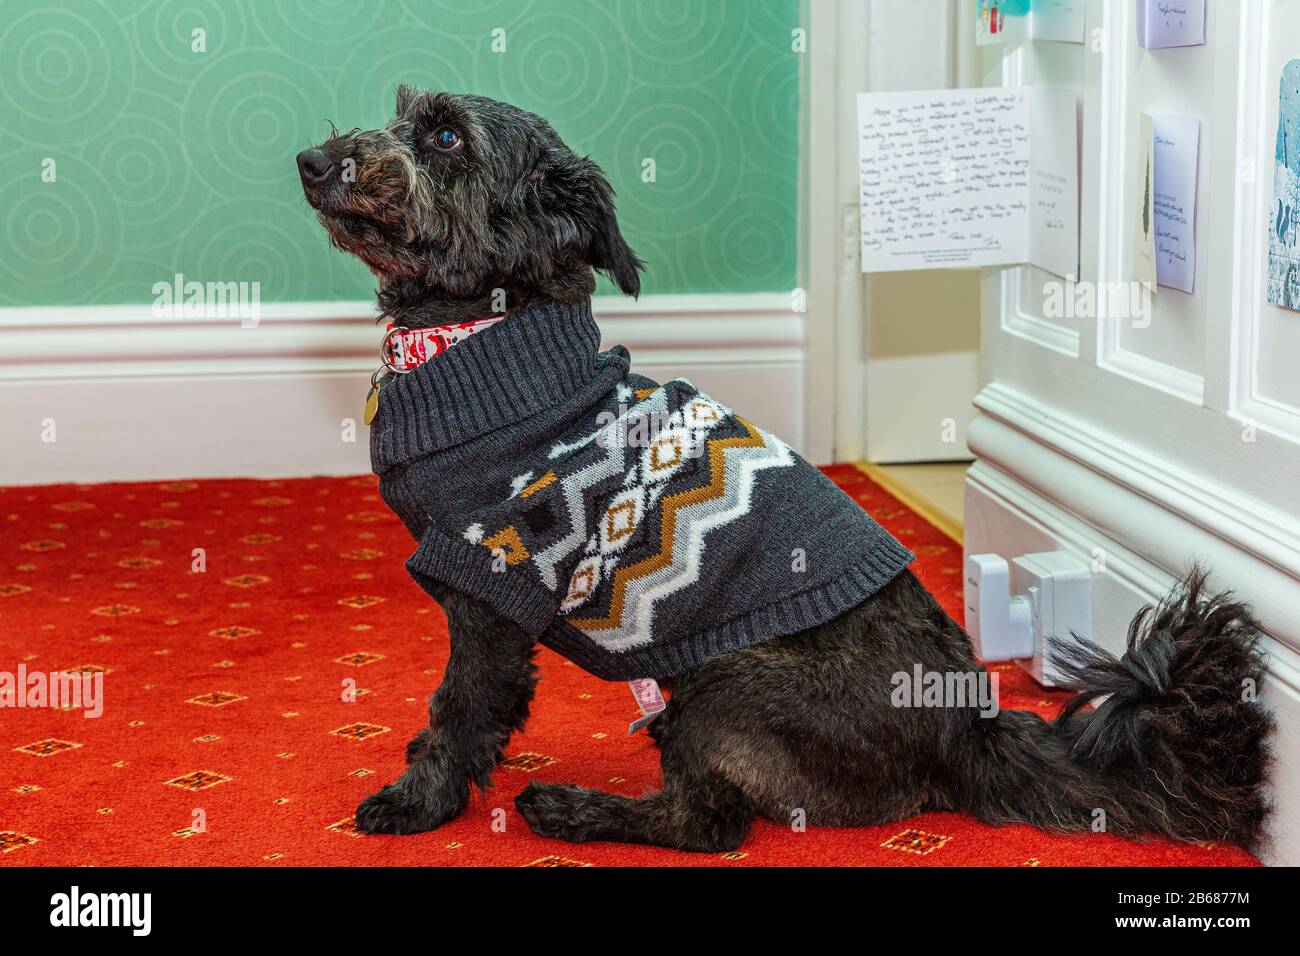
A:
366	241
347	236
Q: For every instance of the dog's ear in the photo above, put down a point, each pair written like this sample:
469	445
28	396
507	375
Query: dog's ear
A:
406	95
583	194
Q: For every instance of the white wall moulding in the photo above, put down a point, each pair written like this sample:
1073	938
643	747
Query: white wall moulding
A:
1027	326
1013	283
1008	512
1153	373
1131	80
135	396
37	344
44	344
1156	444
1147	504
1149	407
1258	382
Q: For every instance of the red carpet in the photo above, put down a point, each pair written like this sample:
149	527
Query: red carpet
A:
223	694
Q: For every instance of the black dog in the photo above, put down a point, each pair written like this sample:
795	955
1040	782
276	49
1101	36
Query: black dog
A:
462	202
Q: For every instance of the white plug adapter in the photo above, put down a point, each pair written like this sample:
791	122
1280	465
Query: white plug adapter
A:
1013	610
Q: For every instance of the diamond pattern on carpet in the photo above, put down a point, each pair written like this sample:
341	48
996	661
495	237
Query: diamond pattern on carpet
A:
249	707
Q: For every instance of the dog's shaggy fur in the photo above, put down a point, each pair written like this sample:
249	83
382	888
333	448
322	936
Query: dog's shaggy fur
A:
461	199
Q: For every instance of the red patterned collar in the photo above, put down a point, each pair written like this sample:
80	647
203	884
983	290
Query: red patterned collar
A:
404	350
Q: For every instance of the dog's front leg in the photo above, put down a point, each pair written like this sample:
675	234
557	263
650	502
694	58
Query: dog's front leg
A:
484	696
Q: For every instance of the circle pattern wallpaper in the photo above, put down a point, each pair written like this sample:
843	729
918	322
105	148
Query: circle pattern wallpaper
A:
144	138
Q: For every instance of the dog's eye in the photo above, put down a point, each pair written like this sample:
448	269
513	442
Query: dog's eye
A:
446	138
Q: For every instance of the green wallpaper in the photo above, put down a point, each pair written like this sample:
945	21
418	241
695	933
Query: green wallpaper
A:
168	160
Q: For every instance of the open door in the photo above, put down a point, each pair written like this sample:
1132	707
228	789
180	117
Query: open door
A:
897	355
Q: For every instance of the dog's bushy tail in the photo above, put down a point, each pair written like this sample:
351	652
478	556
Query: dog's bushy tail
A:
1178	746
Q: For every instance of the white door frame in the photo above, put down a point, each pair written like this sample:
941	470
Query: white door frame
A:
835	67
852	47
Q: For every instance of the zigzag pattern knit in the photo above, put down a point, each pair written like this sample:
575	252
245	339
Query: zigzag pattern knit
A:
636	528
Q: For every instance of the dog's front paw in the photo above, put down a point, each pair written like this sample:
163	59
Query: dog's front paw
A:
400	809
555	810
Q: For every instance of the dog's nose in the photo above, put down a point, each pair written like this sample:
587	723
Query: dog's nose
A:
314	165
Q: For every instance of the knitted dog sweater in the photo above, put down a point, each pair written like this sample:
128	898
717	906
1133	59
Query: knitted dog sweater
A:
636	528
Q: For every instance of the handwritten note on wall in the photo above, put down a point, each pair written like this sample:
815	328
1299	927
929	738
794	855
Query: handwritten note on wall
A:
964	178
1169	199
1168	23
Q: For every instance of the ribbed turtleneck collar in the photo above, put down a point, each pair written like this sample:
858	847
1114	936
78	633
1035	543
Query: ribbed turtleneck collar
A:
539	357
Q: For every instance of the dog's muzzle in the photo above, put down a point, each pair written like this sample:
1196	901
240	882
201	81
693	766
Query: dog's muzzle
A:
314	166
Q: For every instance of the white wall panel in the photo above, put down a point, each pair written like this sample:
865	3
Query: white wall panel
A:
1179	441
1268	337
132	396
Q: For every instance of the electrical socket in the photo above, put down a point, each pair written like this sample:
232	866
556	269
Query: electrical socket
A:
1011	610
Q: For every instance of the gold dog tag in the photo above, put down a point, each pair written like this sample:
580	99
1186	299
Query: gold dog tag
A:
372	403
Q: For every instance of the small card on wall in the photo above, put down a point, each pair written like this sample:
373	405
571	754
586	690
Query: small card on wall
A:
1144	247
1166	231
1060	20
1283	287
967	178
1169	23
1002	21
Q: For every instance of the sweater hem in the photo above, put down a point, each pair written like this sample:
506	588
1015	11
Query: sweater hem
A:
468	568
788	615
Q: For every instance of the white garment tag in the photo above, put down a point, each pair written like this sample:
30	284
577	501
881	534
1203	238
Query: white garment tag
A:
649	698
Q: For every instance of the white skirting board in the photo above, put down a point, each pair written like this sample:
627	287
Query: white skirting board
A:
1024	494
129	396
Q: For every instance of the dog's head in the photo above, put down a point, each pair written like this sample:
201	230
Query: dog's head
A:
461	195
